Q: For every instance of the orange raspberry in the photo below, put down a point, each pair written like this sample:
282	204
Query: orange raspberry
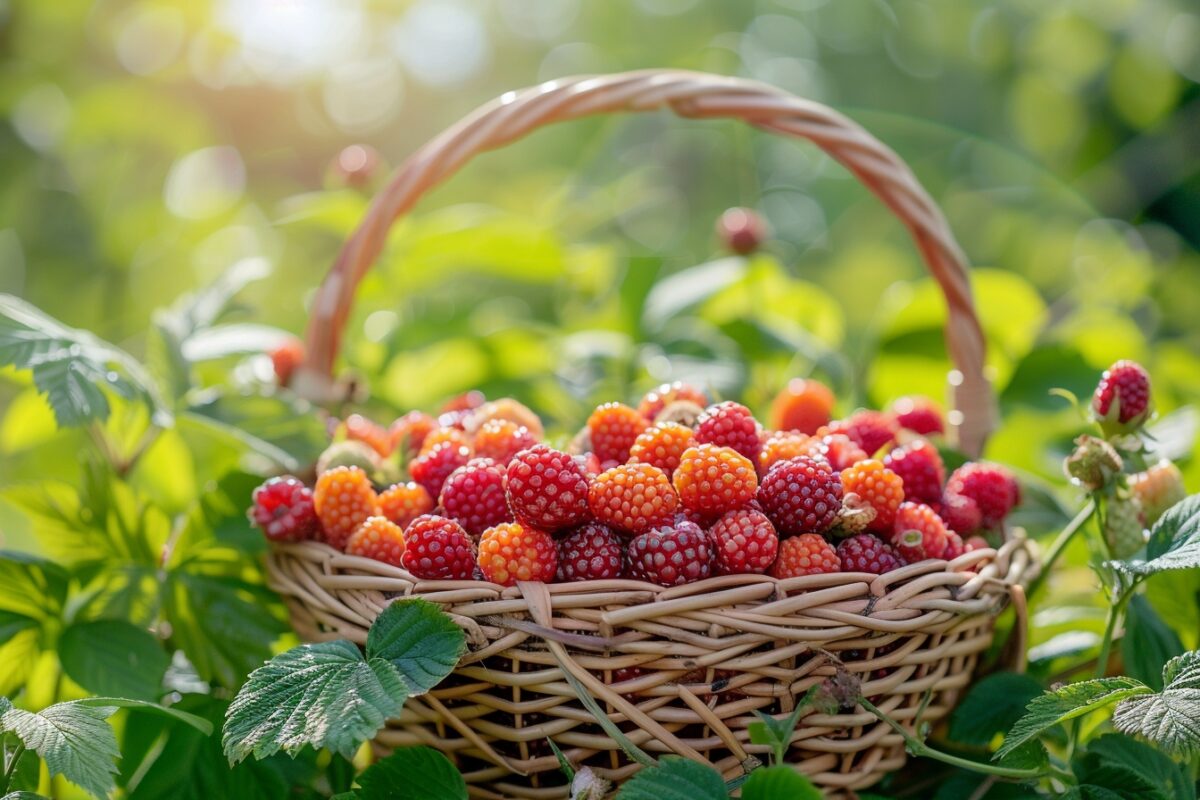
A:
632	498
378	538
511	552
654	401
344	498
452	435
467	401
806	554
879	488
404	502
803	406
614	428
1158	488
411	429
361	429
662	445
713	480
782	446
502	439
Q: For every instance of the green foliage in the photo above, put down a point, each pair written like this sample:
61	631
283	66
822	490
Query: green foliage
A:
674	778
1174	542
1133	769
412	773
1148	644
779	783
991	707
1066	703
777	733
1170	718
114	657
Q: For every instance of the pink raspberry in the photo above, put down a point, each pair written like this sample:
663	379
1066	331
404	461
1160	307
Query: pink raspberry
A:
919	465
730	425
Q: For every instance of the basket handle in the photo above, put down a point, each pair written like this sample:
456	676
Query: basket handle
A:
688	94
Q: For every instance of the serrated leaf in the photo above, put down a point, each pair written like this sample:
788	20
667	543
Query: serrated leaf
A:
114	657
1174	542
74	740
992	706
674	778
1148	644
324	695
419	640
1067	702
412	773
1134	769
779	783
1170	718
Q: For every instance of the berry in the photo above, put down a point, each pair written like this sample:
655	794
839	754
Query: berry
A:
961	514
802	406
511	552
504	408
976	543
467	401
671	555
633	498
713	480
662	445
438	549
411	429
838	449
910	547
454	436
502	439
741	230
404	502
731	425
1123	394
591	552
993	488
1123	530
745	542
361	429
348	453
1093	464
870	430
781	446
801	495
614	428
431	468
931	530
867	553
919	415
547	489
473	496
378	538
954	546
283	509
343	498
920	467
806	554
1157	489
654	401
879	487
286	359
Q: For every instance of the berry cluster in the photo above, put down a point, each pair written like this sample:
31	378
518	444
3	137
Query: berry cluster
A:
669	491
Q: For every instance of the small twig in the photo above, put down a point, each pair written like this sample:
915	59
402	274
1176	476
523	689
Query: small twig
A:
983	788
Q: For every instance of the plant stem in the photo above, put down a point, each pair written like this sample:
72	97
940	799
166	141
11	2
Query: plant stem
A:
919	748
11	768
1060	544
1115	612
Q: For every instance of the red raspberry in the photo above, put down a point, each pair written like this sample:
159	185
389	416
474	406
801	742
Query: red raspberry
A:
662	445
879	488
741	230
703	521
547	489
467	401
993	488
960	513
806	554
909	546
731	425
343	498
713	480
1127	383
867	553
954	546
925	521
473	496
454	436
656	400
286	359
438	549
361	429
283	509
838	449
502	439
919	415
410	431
781	446
745	542
975	543
590	464
671	556
591	552
870	430
511	552
803	406
801	495
920	467
404	502
614	428
431	468
633	498
378	538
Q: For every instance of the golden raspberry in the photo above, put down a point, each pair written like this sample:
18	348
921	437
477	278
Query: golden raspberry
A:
344	498
404	502
1158	488
502	439
782	446
614	428
632	498
411	429
378	538
452	435
802	406
713	480
662	446
654	401
806	554
511	552
361	429
879	487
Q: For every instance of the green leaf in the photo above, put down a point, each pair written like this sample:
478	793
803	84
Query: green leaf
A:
1176	597
419	640
1174	542
12	623
1170	718
324	694
779	783
114	657
412	773
1134	769
564	766
992	706
634	752
1067	702
73	739
1148	643
777	733
31	586
674	778
24	796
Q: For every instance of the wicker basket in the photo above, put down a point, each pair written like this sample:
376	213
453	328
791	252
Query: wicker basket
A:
707	654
